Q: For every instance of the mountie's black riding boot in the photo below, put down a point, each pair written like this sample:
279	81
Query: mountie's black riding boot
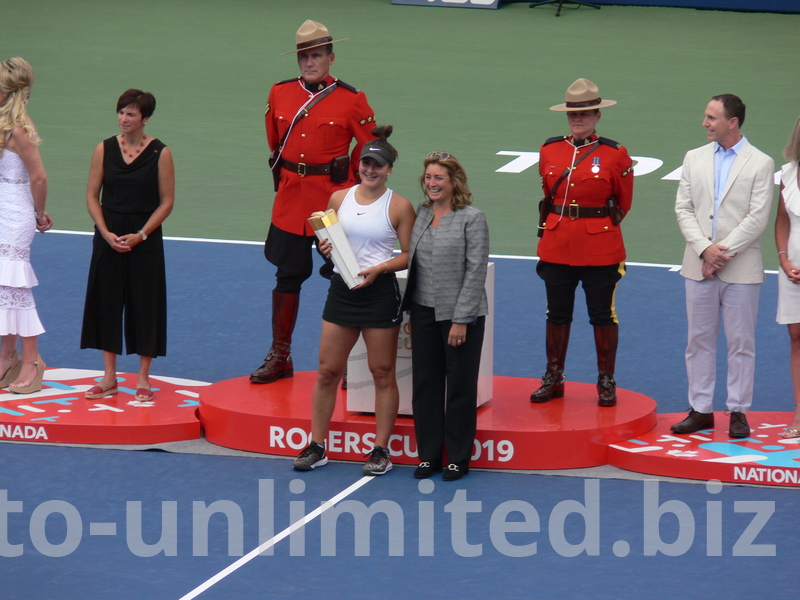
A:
606	339
556	341
278	363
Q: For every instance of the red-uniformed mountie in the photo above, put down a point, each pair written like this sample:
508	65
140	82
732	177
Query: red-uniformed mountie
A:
588	189
324	134
606	172
311	122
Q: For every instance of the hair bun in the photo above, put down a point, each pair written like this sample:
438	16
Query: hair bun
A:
382	131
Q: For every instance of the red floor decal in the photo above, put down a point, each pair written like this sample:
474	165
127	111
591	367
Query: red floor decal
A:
513	433
59	412
763	458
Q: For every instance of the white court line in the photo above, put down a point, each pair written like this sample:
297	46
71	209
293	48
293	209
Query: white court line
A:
283	534
170	238
249	243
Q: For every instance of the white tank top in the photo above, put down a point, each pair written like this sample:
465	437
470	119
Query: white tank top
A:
369	228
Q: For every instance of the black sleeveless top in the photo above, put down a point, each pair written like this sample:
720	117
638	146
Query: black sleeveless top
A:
130	188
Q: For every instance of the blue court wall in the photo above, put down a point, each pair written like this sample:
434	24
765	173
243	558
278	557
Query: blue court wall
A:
786	6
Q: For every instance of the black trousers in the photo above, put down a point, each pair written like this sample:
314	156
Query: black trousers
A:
445	387
599	285
126	290
291	253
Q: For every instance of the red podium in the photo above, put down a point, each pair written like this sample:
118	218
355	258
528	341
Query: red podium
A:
512	433
59	413
763	458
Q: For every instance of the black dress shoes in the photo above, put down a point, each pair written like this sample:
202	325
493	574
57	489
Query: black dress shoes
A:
454	472
739	427
426	469
696	421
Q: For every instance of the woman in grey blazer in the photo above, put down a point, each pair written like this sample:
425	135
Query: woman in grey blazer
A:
445	293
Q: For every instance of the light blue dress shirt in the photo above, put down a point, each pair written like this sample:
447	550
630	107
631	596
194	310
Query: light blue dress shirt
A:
723	161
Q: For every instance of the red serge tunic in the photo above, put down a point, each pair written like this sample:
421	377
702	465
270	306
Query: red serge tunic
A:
607	171
323	134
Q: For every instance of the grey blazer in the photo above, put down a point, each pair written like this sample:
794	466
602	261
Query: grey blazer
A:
460	255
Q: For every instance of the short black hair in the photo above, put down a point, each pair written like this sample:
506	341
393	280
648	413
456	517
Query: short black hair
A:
733	105
144	101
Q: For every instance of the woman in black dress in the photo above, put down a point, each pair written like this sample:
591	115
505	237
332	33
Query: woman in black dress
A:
136	175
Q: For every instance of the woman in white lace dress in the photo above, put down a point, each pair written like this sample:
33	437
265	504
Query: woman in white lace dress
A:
787	239
23	191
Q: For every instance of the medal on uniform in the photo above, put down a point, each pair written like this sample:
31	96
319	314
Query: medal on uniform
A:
595	164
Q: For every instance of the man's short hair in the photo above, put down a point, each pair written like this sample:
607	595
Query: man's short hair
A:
733	105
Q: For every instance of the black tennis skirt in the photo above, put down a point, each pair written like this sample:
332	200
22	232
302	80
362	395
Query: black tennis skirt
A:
377	305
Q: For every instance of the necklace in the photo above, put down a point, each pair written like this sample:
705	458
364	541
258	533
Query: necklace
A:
130	151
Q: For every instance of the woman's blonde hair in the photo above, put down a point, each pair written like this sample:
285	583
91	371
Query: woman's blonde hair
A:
458	177
16	79
792	150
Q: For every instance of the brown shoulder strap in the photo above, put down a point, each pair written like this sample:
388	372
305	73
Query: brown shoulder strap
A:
567	170
304	111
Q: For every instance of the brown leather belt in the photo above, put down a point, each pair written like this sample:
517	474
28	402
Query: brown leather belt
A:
304	169
575	211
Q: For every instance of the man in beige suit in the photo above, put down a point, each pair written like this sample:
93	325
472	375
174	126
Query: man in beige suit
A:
723	206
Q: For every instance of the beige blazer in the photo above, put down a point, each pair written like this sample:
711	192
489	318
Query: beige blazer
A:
743	213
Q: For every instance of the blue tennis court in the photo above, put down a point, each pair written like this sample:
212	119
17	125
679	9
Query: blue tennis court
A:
130	525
